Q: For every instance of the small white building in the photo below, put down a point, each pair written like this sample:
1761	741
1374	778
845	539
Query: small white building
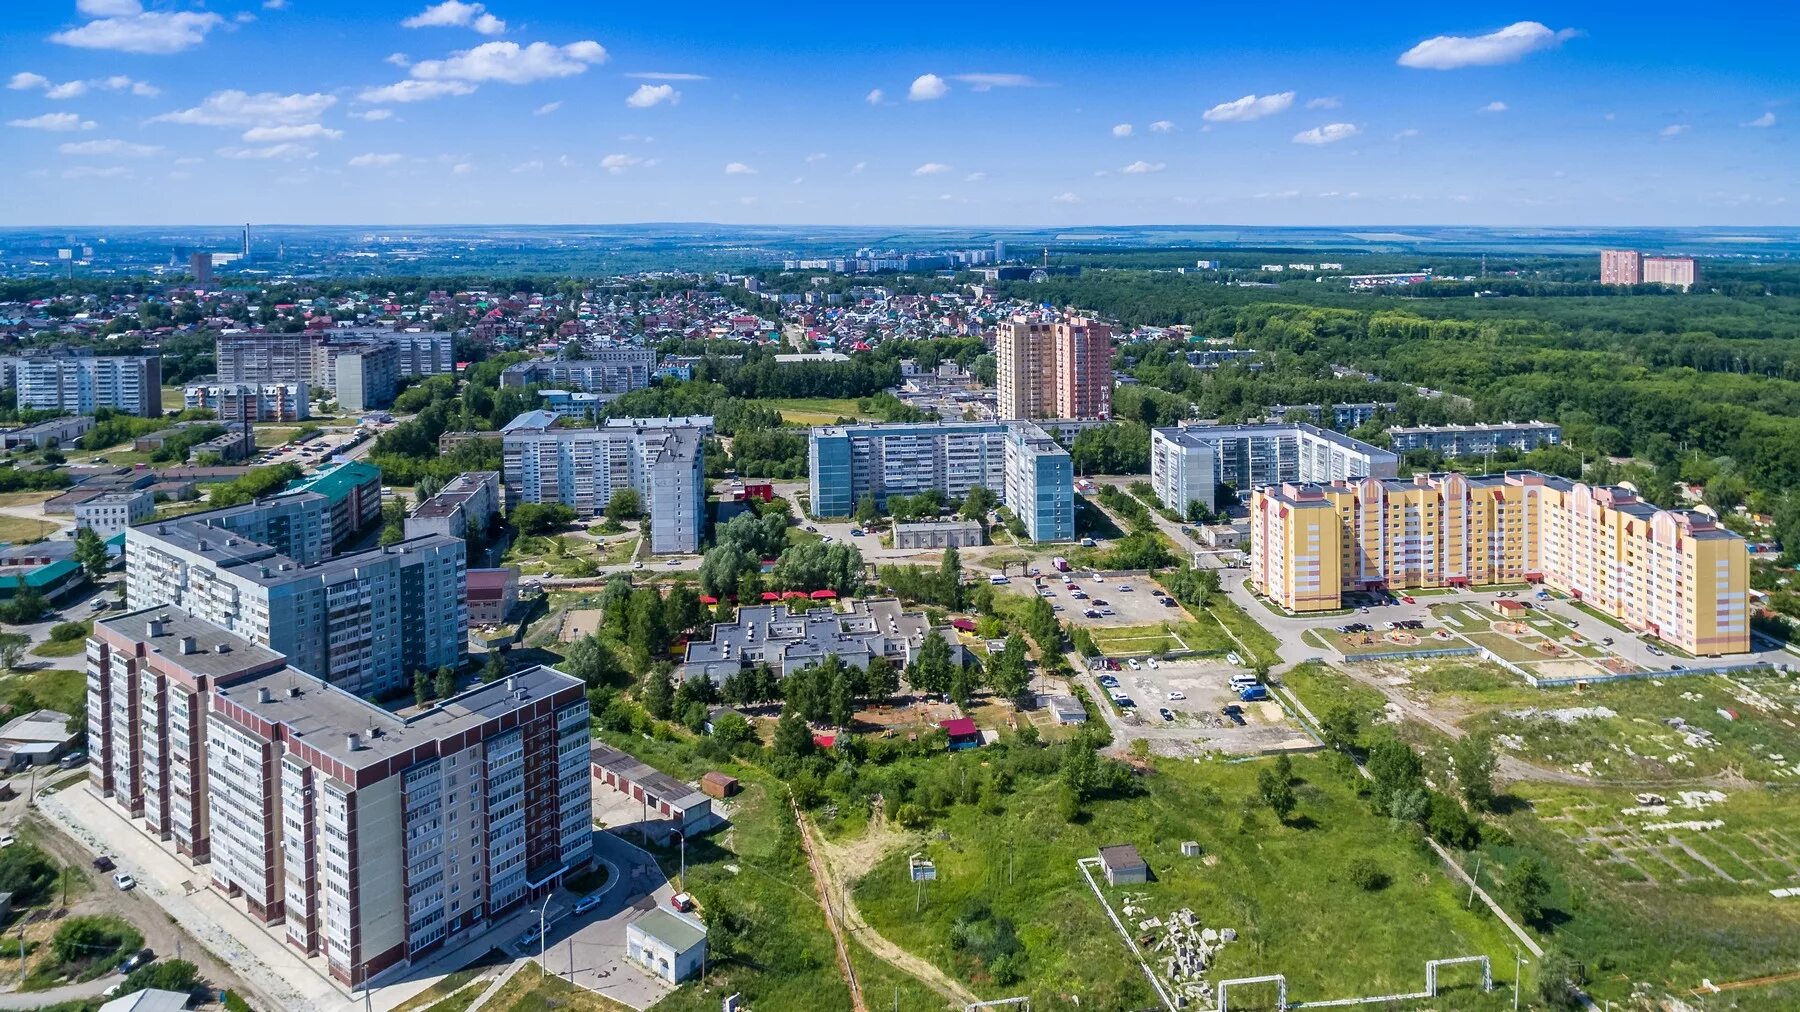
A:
109	513
668	944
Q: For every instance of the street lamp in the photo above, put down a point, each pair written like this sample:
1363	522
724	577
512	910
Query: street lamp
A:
681	838
543	941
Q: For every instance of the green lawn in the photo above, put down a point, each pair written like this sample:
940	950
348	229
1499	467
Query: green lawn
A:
50	688
1260	642
813	410
1282	888
21	530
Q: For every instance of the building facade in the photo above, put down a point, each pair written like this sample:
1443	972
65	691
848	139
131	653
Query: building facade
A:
353	492
1183	471
1250	456
359	835
470	499
266	358
1474	440
109	513
598	371
251	402
1675	271
366	376
1620	267
940	534
1017	460
663	459
47	435
81	385
1059	369
365	620
1675	574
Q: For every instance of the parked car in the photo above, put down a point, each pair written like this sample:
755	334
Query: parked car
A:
856	532
1656	651
1091	613
136	959
1124	588
124	882
103	863
588	902
682	902
1134	663
1152	662
528	939
1106	613
1167	602
1234	713
1157	592
1606	641
1407	599
1109	681
1165	714
1234	659
1099	602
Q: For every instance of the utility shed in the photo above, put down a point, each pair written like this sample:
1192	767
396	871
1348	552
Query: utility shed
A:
1123	866
667	944
667	803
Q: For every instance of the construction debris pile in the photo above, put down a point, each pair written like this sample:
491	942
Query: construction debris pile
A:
1186	947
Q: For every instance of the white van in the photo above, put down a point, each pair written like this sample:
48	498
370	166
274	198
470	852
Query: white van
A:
997	580
1241	682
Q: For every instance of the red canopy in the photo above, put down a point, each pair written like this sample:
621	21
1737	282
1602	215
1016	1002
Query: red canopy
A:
769	595
708	599
824	595
792	594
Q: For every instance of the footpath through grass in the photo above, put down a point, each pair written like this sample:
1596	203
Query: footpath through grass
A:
1285	889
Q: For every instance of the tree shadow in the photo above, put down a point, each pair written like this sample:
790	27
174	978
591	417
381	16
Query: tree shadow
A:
1301	822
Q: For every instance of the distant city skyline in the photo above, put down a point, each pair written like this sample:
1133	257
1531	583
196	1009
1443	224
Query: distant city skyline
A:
329	111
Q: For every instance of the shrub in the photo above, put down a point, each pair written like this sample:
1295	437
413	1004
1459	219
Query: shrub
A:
64	631
1366	875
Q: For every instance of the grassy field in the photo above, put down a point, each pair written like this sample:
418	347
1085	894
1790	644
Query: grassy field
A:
20	530
173	398
267	438
1261	643
530	990
559	555
813	410
1283	888
27	498
1632	904
1119	641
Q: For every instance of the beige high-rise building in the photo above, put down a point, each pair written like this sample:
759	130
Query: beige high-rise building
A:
1620	267
1676	271
1676	574
1060	369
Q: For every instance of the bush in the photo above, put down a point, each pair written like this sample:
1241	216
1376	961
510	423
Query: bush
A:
64	631
27	873
172	975
1366	875
93	944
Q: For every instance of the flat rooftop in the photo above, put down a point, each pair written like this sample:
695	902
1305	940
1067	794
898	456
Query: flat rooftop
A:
1197	435
1411	430
217	653
324	716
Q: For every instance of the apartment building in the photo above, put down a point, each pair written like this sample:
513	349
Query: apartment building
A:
664	459
1474	440
423	353
598	371
111	512
365	620
267	358
1053	369
1676	271
1674	573
353	491
1017	460
1341	417
251	402
363	837
365	376
81	385
1627	267
1250	456
1620	267
471	499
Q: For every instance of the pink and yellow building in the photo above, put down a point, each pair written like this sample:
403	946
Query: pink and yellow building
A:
1674	573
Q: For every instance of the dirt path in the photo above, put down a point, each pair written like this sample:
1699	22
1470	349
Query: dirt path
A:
847	863
822	881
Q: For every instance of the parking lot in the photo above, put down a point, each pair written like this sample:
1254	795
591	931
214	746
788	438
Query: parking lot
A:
1130	601
1203	709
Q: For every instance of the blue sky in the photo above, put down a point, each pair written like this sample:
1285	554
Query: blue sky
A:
354	111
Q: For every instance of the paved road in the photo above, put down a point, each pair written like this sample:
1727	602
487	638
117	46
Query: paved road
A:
72	992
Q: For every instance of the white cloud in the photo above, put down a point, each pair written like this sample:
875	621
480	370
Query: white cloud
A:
1324	102
265	108
462	168
54	122
97	172
398	59
1250	107
1161	126
152	32
874	96
816	156
974	177
1121	130
512	63
856	170
546	109
119	82
111	147
373	115
1673	130
1767	119
1408	132
456	14
271	152
373	160
657	75
931	169
67	89
738	169
532	166
1066	198
25	80
1508	45
297	132
414	91
1494	106
926	87
617	164
275	5
1141	167
648	95
988	82
1330	133
109	8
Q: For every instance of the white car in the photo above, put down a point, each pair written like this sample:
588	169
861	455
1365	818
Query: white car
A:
637	565
1152	663
123	881
1178	694
1234	659
1124	588
1134	663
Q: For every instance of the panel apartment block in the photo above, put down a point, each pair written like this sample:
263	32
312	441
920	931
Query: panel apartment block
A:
598	371
359	835
1017	460
1250	456
83	384
251	402
1674	573
1474	440
662	458
470	499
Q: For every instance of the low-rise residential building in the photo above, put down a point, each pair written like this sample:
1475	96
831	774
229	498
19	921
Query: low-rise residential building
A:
1030	471
250	402
111	512
47	435
1676	574
1338	416
790	640
470	500
357	834
1474	440
940	534
663	459
493	594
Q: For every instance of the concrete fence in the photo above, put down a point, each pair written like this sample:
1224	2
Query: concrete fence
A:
1413	655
